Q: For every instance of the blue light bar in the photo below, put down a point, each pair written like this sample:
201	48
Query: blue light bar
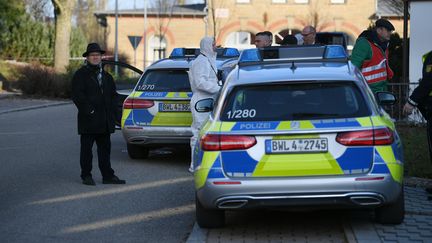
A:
335	51
177	52
184	52
250	55
231	52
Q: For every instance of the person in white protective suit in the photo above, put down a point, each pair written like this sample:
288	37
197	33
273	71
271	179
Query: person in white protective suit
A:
204	84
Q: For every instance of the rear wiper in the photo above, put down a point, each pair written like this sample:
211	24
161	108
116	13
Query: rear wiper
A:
310	114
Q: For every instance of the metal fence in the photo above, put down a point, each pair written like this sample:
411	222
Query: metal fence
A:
402	91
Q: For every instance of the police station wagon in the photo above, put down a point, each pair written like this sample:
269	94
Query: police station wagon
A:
157	112
297	126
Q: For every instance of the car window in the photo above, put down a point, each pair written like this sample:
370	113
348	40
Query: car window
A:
331	39
126	78
164	80
301	101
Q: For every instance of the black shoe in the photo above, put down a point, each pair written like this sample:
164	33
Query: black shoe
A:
88	180
113	180
428	190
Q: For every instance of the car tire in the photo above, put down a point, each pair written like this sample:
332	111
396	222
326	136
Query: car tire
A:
209	218
393	213
137	152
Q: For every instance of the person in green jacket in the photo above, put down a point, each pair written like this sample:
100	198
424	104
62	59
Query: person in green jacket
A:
370	55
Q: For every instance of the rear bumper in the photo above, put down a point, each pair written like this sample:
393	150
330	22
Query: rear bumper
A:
157	135
333	192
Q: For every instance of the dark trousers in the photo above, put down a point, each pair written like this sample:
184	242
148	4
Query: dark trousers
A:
103	143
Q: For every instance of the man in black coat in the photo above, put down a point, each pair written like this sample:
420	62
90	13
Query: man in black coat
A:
94	94
421	98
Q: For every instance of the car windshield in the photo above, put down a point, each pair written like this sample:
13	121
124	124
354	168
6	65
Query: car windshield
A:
164	81
299	101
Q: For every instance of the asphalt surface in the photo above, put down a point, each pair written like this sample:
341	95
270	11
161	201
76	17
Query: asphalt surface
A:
42	198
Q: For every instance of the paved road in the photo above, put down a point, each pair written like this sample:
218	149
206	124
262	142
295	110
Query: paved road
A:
42	198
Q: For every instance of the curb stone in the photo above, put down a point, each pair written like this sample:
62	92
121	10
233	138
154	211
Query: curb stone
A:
198	235
36	107
348	231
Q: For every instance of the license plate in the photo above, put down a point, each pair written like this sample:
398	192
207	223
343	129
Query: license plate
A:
173	107
305	145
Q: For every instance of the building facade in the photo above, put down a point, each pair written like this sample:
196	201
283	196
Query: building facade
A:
234	23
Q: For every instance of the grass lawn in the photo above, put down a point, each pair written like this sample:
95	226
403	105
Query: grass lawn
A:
416	153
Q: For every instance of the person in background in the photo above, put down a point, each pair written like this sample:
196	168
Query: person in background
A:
94	94
263	39
204	84
370	55
309	34
421	98
289	40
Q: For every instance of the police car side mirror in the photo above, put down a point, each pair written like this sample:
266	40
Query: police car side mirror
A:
385	98
205	105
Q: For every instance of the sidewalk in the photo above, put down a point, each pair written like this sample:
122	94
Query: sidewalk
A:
355	227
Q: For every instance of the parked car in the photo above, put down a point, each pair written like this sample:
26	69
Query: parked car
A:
157	112
332	38
297	126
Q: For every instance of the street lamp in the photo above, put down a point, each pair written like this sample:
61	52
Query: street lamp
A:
145	34
116	38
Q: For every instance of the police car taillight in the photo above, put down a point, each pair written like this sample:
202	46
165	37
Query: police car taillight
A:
215	142
381	136
131	103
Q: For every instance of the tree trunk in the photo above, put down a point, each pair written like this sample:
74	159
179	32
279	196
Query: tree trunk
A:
63	14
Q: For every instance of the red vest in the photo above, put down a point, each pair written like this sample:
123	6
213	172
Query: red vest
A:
376	69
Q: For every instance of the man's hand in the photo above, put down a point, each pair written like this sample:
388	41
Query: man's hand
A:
408	109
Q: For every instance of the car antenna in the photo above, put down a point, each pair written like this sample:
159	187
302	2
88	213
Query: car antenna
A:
293	67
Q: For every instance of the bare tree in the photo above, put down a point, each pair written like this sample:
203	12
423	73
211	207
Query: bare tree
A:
86	21
63	15
315	17
38	9
217	12
396	6
164	11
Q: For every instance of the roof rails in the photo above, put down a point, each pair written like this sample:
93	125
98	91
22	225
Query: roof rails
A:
292	54
187	53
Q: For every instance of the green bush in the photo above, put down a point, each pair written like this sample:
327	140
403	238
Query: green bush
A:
42	81
416	152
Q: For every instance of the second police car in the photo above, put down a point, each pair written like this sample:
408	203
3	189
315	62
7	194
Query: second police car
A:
297	126
157	112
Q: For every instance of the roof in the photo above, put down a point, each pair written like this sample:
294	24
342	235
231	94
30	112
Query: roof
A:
183	10
275	72
387	8
178	63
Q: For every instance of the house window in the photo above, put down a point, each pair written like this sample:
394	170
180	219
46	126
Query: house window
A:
301	1
240	40
337	1
279	1
157	46
242	1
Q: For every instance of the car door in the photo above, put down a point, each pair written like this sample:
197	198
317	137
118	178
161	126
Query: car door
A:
126	78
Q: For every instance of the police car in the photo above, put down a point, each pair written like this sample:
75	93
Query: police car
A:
297	126
157	112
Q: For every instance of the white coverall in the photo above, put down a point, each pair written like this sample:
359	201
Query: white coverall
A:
204	84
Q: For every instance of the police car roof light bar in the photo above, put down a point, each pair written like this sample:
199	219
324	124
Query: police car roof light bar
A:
315	53
194	52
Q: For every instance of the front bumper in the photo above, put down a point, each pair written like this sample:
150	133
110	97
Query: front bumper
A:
335	192
157	135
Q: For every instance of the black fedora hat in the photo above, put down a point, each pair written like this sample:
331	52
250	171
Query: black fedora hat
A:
93	47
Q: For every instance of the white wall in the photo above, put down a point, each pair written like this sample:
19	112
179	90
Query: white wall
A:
420	37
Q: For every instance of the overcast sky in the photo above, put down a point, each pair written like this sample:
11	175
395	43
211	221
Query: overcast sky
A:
129	4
